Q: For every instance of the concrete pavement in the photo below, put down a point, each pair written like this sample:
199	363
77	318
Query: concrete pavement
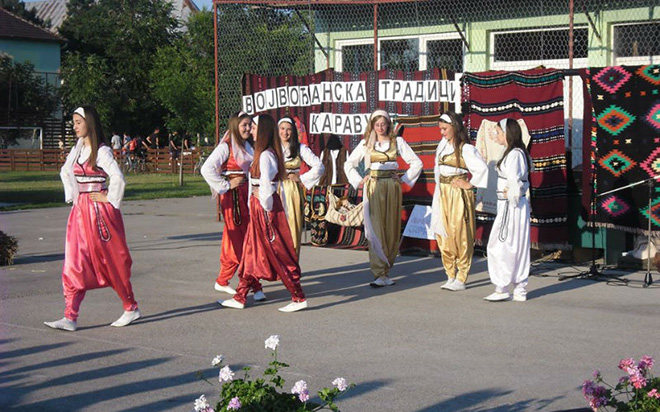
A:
409	347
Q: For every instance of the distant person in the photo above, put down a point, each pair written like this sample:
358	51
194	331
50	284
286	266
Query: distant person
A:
153	140
115	141
509	244
95	253
172	145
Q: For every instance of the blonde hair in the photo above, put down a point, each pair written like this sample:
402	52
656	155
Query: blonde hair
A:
370	134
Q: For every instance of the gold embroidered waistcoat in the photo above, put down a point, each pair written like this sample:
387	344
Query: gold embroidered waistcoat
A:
390	155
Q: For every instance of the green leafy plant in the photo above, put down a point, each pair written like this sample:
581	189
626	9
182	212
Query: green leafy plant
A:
265	394
638	391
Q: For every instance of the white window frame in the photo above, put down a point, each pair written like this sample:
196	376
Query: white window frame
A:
423	41
627	60
529	64
39	130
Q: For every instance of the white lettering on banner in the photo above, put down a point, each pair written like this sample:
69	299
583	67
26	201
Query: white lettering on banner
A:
351	124
421	91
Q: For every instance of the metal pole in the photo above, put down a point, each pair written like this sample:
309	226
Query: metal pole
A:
217	93
571	18
375	36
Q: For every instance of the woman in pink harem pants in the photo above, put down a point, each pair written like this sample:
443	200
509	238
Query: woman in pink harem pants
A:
268	251
96	254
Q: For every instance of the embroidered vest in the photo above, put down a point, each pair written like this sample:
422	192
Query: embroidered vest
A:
89	180
293	164
390	155
454	159
230	165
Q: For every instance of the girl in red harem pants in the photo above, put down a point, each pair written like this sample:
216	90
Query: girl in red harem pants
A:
96	254
268	251
225	171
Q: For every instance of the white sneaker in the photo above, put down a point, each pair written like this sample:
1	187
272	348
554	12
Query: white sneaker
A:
126	318
378	283
448	283
231	303
498	297
259	296
388	281
456	285
294	306
63	324
518	297
226	289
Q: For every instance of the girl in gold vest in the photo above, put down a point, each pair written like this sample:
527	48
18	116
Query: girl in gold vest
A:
452	217
382	190
293	187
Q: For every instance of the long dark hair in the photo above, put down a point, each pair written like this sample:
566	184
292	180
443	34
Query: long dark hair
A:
294	141
514	140
94	133
268	138
460	132
234	133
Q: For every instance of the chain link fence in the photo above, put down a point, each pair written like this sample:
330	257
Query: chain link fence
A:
307	36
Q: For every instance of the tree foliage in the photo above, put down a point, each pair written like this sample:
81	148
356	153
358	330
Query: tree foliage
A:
183	77
17	7
111	48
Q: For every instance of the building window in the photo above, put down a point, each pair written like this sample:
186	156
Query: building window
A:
636	43
358	58
445	54
539	45
400	54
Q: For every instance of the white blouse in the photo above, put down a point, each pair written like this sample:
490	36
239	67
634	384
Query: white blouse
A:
403	149
105	160
312	177
513	176
334	154
212	168
268	168
473	160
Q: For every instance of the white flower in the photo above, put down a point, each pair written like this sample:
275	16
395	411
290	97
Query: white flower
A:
299	387
226	374
201	404
272	342
217	360
340	383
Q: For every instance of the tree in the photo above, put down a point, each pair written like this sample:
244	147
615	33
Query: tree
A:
17	7
111	49
183	75
23	93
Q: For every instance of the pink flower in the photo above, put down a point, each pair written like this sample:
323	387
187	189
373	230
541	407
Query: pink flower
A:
627	365
300	389
596	374
637	380
645	363
234	404
226	374
653	393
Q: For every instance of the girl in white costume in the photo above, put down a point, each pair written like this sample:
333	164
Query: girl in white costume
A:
509	243
452	210
382	190
296	153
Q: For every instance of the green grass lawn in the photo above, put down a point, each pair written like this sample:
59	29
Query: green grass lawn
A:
27	190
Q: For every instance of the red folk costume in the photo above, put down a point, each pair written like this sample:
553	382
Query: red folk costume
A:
227	160
96	254
268	251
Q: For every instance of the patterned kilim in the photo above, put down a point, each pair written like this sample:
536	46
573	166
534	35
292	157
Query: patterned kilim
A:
537	97
626	137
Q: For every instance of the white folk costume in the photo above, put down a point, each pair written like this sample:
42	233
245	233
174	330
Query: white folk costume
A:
383	197
509	242
229	160
95	254
294	192
452	210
